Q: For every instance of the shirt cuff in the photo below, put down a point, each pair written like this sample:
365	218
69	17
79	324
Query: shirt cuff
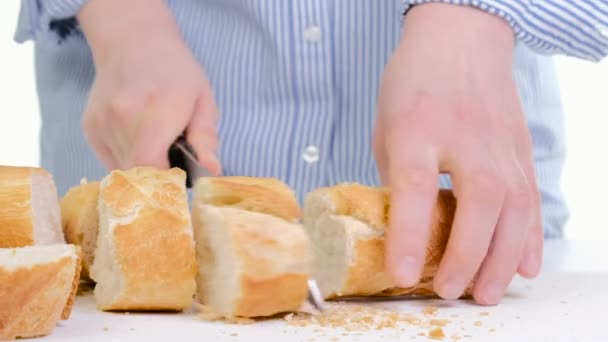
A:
573	28
35	16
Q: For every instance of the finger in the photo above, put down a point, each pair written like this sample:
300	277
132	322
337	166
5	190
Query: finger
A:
532	255
413	179
92	131
379	148
480	194
502	259
531	260
155	133
201	133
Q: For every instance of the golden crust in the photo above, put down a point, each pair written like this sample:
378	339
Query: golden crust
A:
266	297
263	195
80	221
33	298
16	221
155	250
366	204
67	310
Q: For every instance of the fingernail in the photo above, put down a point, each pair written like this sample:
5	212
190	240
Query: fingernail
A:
532	262
408	271
452	288
492	293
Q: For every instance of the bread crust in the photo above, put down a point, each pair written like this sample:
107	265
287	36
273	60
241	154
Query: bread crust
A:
366	275
16	220
272	260
263	195
34	298
80	221
149	233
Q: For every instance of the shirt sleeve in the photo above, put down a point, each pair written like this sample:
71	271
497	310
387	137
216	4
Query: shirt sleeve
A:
38	16
573	28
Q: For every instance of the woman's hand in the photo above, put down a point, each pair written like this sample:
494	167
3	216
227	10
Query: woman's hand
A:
148	87
448	103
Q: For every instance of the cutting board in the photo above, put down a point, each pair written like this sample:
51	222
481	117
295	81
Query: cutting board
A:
553	307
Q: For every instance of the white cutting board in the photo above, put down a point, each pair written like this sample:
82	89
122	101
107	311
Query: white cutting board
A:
554	307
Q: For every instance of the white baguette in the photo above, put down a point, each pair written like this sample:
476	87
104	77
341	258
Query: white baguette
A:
144	258
29	208
37	288
80	221
251	264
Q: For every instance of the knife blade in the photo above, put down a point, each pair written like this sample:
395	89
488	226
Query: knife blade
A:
183	156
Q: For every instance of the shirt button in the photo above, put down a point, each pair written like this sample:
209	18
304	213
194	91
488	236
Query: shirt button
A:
311	154
312	33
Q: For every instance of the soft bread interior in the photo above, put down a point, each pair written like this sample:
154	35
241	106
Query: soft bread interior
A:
250	264
13	258
106	270
45	210
335	239
217	277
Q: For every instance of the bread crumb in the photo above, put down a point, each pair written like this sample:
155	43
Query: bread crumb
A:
455	337
563	302
468	336
493	330
453	315
477	323
484	313
105	329
234	334
205	313
288	317
516	317
439	322
132	329
429	310
420	334
334	339
436	334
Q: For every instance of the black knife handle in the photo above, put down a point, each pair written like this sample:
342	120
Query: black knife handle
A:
178	159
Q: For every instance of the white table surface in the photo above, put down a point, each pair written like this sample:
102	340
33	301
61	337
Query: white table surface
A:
567	302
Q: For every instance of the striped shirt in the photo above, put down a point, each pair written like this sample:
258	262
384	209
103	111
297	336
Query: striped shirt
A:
297	82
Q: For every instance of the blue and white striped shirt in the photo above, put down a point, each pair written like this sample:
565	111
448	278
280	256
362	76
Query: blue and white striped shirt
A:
297	81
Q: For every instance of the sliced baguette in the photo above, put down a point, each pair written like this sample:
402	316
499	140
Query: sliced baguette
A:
29	208
37	288
264	195
251	264
80	221
145	257
347	225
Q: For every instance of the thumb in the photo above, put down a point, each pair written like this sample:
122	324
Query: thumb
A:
201	133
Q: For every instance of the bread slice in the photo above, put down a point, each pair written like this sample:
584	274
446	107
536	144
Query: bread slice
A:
37	288
29	208
145	257
347	224
80	221
263	195
250	264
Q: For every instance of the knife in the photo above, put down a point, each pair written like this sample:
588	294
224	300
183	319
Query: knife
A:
183	156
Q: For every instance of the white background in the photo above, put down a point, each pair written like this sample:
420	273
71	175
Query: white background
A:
585	96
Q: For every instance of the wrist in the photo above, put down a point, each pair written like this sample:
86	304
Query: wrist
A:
113	26
460	26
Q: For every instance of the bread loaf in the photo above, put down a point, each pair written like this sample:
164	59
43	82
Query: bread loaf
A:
347	225
80	221
29	208
144	258
251	264
37	288
263	195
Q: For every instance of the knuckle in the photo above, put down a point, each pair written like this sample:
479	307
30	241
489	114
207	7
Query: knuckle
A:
414	178
121	108
485	185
